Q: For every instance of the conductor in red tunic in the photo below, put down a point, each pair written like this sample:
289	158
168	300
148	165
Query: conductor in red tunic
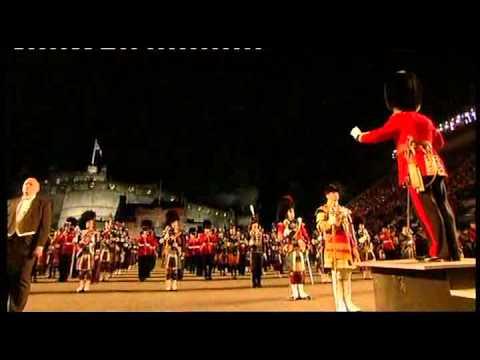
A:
420	167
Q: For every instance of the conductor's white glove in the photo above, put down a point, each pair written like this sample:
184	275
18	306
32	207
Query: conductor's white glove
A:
356	132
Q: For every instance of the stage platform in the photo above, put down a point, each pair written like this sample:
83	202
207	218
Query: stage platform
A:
412	285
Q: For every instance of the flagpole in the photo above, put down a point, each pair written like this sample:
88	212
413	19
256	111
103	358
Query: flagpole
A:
94	151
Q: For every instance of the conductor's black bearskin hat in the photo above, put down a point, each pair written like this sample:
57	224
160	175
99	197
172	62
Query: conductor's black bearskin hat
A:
72	221
331	188
207	224
86	217
285	204
171	216
191	231
403	91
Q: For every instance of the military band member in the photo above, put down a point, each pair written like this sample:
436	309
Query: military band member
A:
407	243
126	249
96	262
152	251
243	251
143	252
277	260
207	248
365	246
172	261
334	221
296	265
188	252
174	249
220	259
105	260
233	253
420	167
54	255
199	258
256	252
194	251
291	230
85	250
67	239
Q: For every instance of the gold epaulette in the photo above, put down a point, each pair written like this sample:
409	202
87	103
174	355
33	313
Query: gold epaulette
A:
320	214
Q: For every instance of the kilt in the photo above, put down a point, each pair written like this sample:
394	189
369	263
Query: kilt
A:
172	274
297	277
85	262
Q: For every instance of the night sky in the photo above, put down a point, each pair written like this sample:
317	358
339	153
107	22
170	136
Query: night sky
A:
208	123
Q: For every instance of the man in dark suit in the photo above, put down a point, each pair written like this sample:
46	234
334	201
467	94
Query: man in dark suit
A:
29	220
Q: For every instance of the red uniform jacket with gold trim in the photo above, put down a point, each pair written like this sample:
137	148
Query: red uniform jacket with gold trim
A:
404	127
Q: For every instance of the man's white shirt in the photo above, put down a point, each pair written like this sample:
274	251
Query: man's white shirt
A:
23	207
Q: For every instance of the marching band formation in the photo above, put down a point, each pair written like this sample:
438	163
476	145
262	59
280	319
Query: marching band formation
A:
79	250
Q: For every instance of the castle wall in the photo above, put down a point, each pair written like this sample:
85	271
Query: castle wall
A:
103	202
73	193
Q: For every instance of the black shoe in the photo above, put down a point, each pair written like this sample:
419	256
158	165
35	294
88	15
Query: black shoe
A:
457	257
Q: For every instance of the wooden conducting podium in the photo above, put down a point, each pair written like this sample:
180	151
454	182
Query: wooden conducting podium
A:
413	285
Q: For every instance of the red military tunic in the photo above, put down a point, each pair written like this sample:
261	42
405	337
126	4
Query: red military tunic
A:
416	132
143	246
207	244
387	241
193	245
152	244
67	242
